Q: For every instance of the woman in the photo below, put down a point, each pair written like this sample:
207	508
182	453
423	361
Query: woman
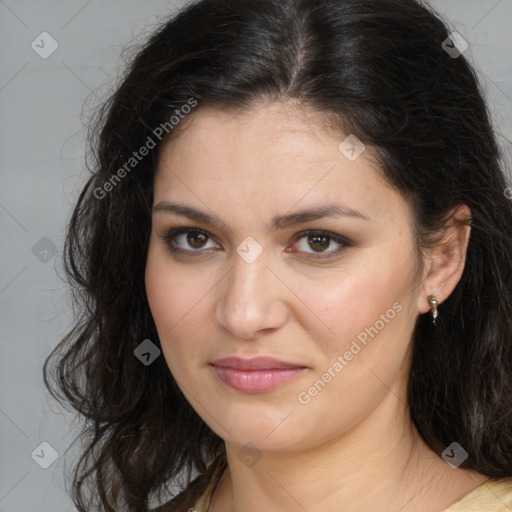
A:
294	263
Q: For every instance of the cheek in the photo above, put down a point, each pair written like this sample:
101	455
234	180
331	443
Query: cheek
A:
171	291
177	299
162	293
167	303
168	292
347	303
369	313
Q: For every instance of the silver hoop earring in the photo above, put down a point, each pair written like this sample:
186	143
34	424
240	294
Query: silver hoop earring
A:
433	307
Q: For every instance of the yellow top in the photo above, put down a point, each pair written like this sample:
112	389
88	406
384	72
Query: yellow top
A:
493	495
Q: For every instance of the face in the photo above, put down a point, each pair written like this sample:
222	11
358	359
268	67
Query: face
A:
237	268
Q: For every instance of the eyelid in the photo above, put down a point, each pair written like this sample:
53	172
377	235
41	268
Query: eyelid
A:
170	235
343	242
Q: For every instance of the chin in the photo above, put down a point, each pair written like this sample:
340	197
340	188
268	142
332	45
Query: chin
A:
267	429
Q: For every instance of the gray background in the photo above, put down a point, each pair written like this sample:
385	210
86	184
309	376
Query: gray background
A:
45	105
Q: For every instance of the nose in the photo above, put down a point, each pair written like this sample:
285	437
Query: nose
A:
252	299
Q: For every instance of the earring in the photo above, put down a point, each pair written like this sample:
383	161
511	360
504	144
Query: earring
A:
433	307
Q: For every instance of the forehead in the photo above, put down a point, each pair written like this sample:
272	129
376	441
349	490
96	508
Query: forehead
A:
270	156
287	128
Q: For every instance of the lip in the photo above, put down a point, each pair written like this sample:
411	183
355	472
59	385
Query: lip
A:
254	363
255	375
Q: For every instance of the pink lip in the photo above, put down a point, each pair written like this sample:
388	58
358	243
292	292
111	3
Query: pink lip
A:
254	363
255	375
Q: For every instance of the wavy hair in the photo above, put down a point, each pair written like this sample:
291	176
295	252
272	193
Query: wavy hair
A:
373	68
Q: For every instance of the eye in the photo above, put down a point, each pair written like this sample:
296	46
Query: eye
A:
187	240
319	242
190	241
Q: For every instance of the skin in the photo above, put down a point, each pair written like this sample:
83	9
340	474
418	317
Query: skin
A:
246	168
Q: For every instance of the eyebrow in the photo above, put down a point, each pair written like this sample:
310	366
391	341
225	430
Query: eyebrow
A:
278	221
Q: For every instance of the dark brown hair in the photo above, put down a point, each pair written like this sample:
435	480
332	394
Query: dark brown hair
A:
379	68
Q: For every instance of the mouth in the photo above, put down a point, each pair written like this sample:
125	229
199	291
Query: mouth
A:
255	375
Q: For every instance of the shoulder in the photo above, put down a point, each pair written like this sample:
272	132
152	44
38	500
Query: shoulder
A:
493	495
196	497
203	503
185	500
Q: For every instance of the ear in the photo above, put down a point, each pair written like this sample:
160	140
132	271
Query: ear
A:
445	261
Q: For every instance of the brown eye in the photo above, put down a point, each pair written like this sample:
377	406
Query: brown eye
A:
188	241
316	244
319	242
196	239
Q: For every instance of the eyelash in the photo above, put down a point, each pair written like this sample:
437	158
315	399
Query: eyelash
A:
170	236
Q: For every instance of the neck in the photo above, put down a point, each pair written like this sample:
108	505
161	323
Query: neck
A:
381	464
